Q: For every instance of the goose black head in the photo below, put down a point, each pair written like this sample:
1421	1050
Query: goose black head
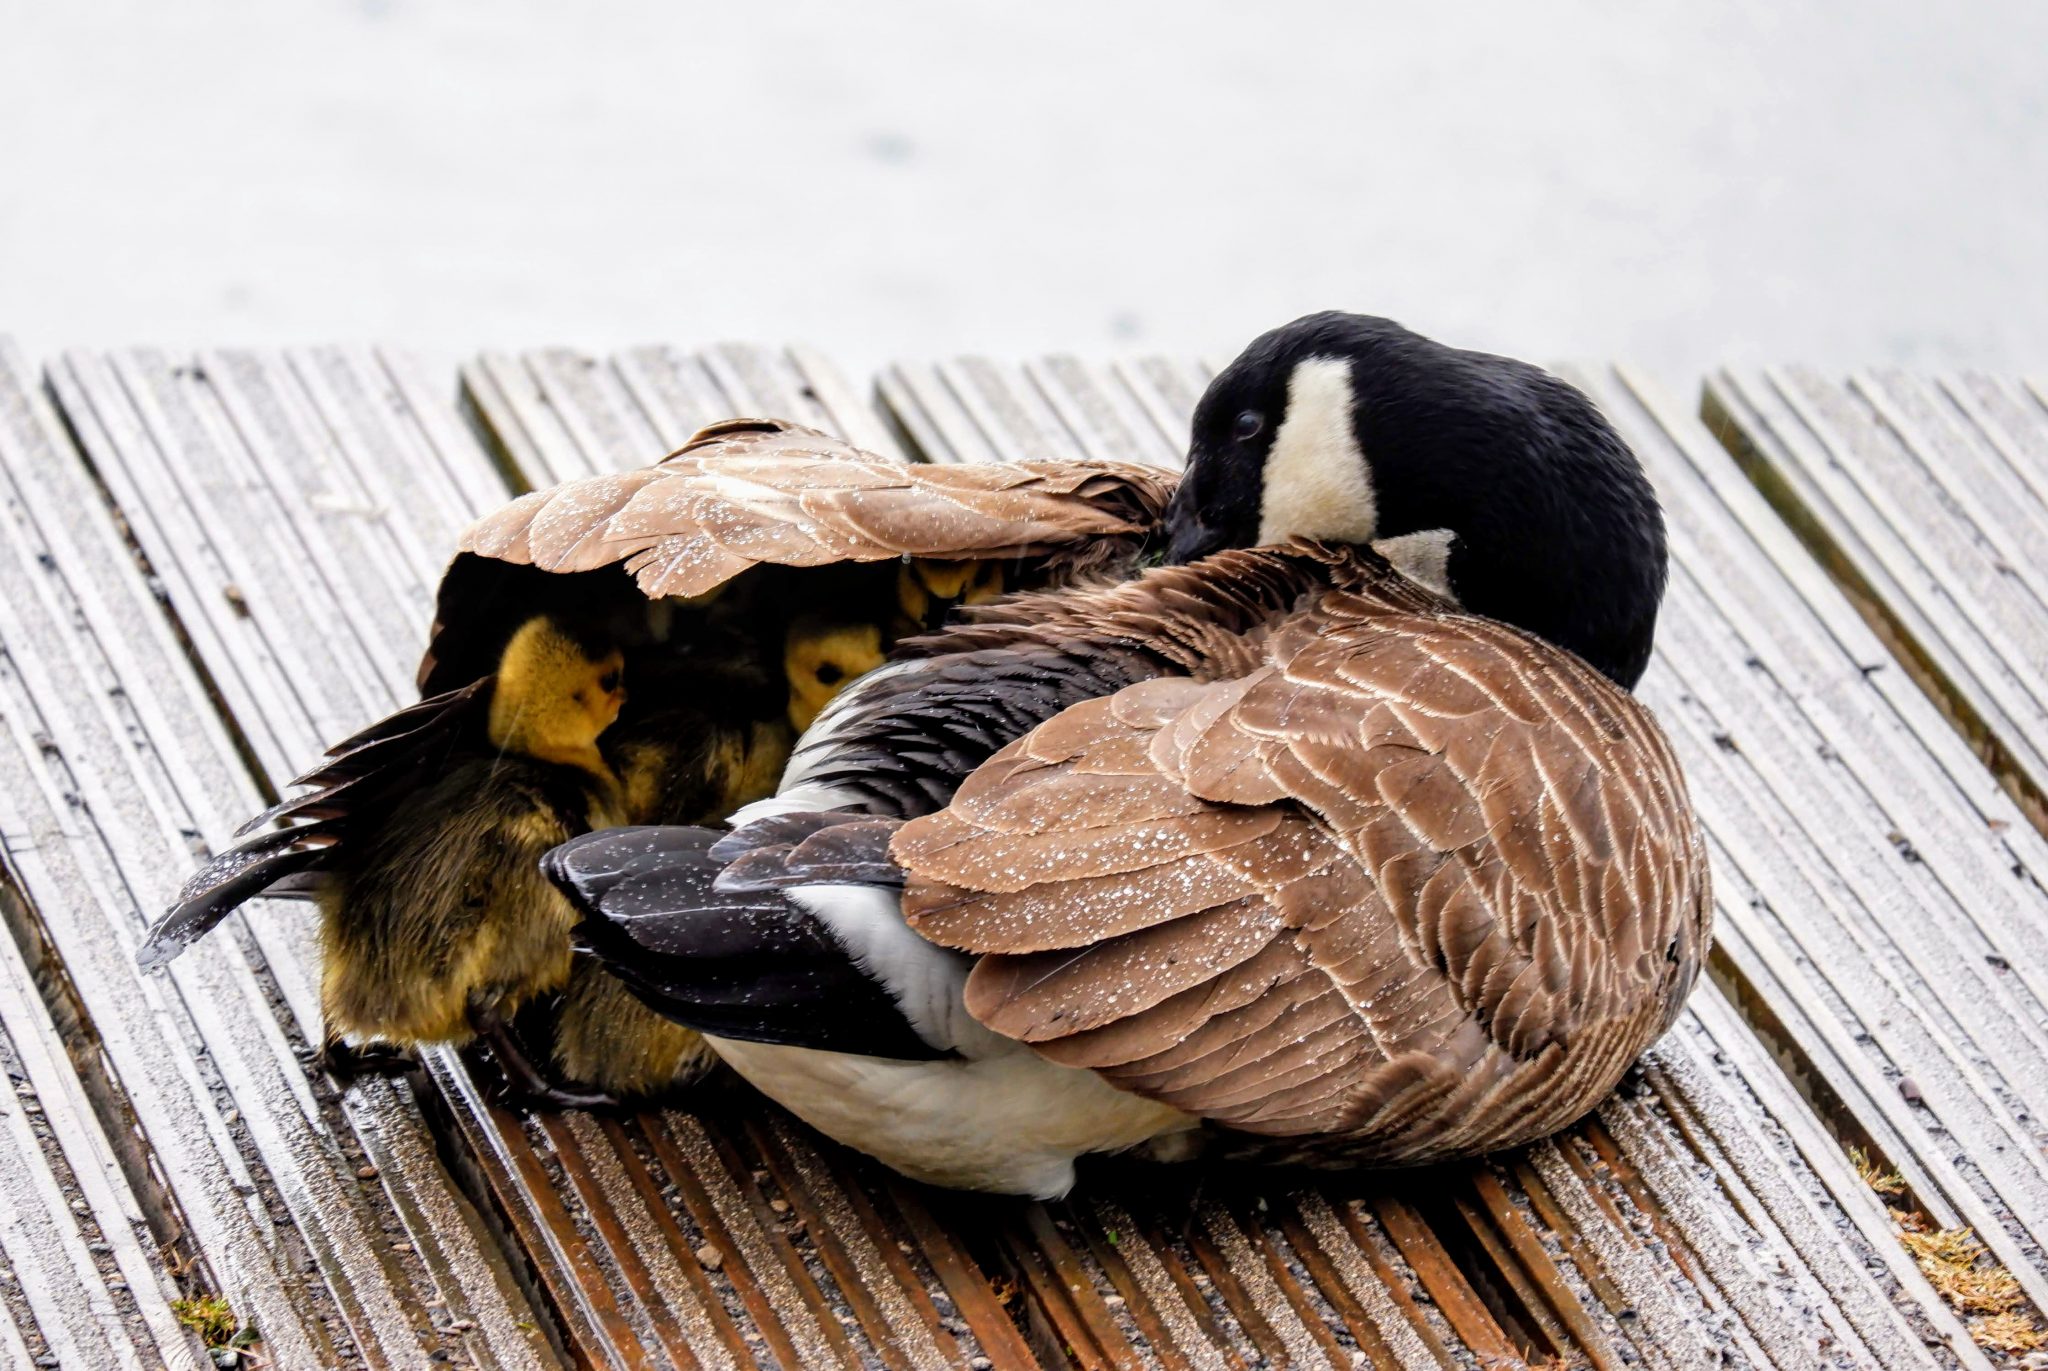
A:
1483	476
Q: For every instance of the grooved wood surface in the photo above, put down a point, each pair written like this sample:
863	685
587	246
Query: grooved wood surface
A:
327	1222
1927	497
84	1282
1880	926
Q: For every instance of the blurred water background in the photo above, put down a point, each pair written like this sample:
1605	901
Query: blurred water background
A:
1676	183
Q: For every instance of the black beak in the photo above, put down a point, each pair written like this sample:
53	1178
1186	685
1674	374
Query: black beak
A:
1191	542
1189	537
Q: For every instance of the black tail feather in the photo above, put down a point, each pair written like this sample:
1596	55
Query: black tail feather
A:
783	830
750	965
327	803
414	732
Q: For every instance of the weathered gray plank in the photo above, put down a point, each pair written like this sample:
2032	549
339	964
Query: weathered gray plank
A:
1740	1227
70	793
1823	784
1872	878
558	414
1927	497
83	1283
1944	987
878	1278
327	1221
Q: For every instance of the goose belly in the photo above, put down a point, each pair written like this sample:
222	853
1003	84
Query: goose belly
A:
1012	1123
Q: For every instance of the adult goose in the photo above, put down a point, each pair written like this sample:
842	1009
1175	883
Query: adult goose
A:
641	647
1277	850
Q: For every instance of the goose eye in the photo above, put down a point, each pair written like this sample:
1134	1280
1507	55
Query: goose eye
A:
1249	425
830	674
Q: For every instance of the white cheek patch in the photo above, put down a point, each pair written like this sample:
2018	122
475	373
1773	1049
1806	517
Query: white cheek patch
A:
1317	484
1424	558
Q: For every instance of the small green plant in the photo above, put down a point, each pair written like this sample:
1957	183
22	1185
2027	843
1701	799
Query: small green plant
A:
209	1317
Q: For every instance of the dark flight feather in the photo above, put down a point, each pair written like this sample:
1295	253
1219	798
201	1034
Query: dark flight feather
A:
747	965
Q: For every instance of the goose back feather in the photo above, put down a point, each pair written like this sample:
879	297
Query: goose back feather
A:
1386	879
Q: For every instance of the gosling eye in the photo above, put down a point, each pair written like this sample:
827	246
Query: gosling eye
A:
609	681
1249	425
831	674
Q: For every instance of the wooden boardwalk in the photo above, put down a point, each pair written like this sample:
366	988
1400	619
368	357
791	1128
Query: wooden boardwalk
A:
215	563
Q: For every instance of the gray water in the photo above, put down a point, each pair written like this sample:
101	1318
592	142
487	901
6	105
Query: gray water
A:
1676	183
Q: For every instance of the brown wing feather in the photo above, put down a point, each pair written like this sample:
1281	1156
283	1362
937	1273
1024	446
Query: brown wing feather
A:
753	491
1417	886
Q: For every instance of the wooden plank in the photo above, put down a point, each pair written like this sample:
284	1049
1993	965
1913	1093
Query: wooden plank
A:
1919	497
245	499
326	1222
556	414
1706	1210
1859	856
1927	498
84	1283
1880	970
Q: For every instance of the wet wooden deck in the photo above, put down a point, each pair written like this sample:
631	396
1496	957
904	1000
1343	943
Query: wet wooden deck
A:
214	563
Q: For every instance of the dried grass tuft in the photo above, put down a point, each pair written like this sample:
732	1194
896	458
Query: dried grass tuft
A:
1970	1279
1960	1268
1889	1184
209	1317
2012	1332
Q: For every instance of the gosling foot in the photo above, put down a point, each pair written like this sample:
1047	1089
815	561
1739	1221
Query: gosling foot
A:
347	1063
524	1081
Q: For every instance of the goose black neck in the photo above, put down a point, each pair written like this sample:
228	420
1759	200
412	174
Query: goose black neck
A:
1558	529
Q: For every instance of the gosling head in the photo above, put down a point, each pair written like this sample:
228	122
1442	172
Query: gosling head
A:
927	590
821	658
556	692
1487	479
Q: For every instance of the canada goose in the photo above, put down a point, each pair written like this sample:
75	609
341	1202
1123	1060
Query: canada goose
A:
734	588
1276	850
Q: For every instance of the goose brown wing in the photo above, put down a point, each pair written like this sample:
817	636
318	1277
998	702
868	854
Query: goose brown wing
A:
752	491
1418	884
